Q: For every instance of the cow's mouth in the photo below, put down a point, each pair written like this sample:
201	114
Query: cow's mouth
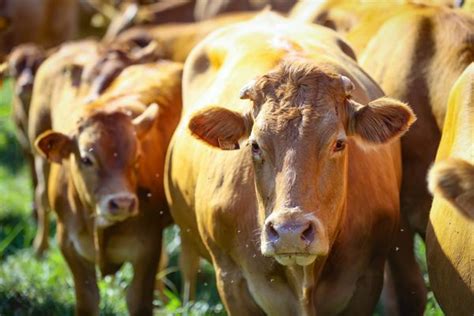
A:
104	219
290	259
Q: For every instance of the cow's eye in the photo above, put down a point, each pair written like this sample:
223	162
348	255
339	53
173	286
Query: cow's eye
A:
256	151
86	161
255	148
339	145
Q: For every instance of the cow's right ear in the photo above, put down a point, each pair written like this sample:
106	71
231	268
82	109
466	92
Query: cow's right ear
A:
220	127
54	146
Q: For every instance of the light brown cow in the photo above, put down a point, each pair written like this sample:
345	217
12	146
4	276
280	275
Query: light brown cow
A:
300	219
450	232
65	66
358	20
83	69
21	66
105	183
44	22
178	39
135	13
433	47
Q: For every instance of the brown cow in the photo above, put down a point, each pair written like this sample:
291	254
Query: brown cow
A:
83	69
178	39
65	67
298	217
409	69
44	22
106	184
172	11
358	20
450	232
22	65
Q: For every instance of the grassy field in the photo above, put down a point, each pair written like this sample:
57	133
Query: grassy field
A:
29	286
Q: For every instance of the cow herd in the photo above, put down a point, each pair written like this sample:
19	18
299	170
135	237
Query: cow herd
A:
298	153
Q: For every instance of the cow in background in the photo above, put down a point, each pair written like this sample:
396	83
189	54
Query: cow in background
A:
22	65
43	22
176	40
409	69
359	20
134	13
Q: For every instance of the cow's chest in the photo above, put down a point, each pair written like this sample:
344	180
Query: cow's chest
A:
118	248
83	244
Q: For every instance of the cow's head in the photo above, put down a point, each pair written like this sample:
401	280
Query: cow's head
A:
23	63
298	131
103	156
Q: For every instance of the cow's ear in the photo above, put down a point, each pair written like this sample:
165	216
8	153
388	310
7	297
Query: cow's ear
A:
220	127
145	121
454	180
380	121
54	146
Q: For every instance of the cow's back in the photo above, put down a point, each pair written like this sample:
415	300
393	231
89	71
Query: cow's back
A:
358	20
57	83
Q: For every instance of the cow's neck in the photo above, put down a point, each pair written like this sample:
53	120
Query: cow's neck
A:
304	280
85	213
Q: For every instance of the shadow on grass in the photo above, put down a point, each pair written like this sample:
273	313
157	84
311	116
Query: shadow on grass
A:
16	232
11	157
20	304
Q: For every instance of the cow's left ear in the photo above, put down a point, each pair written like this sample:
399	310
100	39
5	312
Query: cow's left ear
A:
380	121
145	121
54	146
220	127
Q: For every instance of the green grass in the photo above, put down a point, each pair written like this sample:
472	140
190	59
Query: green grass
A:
44	287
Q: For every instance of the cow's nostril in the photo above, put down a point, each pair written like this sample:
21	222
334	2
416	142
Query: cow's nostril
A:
272	233
308	234
113	205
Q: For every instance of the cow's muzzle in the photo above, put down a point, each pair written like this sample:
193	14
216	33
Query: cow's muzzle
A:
293	238
116	208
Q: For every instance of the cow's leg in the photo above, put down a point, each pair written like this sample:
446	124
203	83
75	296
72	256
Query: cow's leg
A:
40	243
233	288
189	266
389	296
34	181
405	273
83	272
368	290
140	291
22	137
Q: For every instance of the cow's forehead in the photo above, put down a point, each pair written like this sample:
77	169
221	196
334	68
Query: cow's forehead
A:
107	134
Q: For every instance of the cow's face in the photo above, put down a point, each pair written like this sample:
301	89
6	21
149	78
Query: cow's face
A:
298	130
23	63
103	158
